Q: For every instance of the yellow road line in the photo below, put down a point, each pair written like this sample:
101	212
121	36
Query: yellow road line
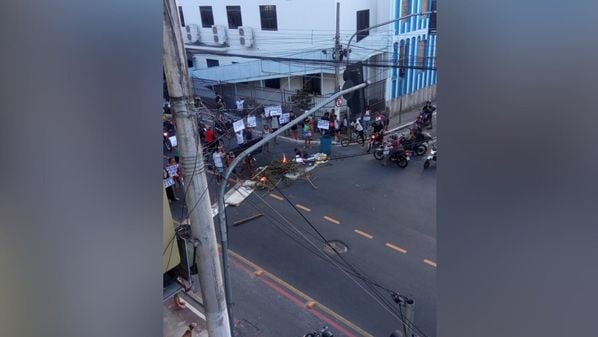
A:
326	217
302	295
431	263
397	248
303	207
364	234
276	197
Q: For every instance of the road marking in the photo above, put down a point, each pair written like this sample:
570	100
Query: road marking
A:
431	263
302	295
326	217
276	197
364	234
303	207
397	248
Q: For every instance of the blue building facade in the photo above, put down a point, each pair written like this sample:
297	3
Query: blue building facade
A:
414	48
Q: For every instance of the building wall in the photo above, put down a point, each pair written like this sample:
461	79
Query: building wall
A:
293	35
417	86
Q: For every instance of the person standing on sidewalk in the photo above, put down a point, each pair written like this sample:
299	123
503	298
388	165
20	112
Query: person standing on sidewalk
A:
294	128
307	132
218	164
267	132
366	119
275	126
240	138
168	183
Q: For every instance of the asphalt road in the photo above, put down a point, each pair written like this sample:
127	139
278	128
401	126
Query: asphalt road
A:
384	215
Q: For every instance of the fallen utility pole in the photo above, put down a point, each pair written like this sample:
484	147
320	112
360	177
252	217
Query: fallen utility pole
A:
198	202
240	158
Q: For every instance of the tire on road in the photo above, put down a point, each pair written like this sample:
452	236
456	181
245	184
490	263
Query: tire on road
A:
378	154
345	141
402	162
427	163
421	149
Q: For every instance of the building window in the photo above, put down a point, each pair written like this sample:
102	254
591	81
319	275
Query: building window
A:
432	23
363	22
425	6
207	18
233	14
273	83
268	17
402	59
405	4
212	63
421	54
181	16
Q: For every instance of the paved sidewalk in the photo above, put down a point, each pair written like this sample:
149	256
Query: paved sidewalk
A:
264	306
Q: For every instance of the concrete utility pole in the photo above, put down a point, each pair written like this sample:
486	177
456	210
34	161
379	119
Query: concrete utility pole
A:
337	49
202	223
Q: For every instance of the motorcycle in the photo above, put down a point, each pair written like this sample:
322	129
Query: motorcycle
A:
432	157
400	157
375	140
419	145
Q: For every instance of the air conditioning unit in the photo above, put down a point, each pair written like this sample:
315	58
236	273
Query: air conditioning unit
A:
219	34
246	36
191	33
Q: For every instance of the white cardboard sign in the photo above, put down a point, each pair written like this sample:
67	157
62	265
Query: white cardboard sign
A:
284	118
173	141
273	110
323	124
251	121
238	125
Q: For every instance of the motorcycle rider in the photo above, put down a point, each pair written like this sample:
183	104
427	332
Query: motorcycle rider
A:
394	146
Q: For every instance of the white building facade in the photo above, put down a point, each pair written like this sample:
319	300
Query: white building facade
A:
267	50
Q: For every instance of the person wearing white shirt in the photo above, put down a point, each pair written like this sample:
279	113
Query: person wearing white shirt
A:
359	128
366	119
218	164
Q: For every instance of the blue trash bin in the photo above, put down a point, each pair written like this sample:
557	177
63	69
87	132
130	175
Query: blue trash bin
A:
325	144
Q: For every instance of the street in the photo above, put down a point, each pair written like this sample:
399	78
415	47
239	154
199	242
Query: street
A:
381	219
384	215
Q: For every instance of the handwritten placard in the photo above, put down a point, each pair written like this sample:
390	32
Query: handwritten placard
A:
251	121
284	118
323	124
173	141
172	169
275	110
239	125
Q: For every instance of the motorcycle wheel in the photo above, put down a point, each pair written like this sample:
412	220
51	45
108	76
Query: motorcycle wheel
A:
378	154
426	164
421	150
345	142
402	162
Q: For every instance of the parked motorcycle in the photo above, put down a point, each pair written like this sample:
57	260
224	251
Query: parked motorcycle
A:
432	157
417	142
401	157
